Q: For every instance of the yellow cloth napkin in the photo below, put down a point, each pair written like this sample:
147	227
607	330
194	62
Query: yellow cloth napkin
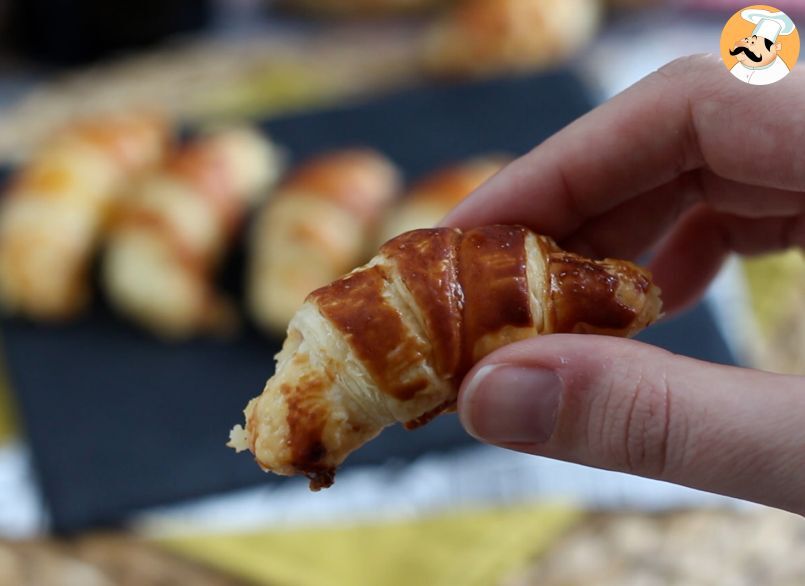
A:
775	284
8	423
472	548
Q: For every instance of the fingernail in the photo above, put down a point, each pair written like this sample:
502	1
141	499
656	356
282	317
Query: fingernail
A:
511	404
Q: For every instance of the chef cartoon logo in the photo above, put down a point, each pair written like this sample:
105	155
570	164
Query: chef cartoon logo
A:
760	45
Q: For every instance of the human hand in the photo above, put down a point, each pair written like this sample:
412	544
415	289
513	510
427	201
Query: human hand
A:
692	164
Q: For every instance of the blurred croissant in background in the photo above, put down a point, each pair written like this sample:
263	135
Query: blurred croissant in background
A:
481	37
174	228
54	213
433	196
320	223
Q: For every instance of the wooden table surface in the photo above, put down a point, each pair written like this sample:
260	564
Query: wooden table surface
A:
100	560
698	547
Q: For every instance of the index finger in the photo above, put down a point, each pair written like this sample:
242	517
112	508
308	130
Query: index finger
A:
690	114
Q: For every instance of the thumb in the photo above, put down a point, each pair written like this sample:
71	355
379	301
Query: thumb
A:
626	406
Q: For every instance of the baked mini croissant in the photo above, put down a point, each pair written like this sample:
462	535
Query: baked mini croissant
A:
168	236
391	341
433	196
55	210
319	224
482	37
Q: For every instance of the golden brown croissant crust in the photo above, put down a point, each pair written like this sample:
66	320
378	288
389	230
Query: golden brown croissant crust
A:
203	167
450	185
356	179
468	293
468	285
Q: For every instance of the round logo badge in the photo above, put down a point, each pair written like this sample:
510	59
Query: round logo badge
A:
760	45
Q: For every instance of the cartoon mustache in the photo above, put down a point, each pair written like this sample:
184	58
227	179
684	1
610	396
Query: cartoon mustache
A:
748	53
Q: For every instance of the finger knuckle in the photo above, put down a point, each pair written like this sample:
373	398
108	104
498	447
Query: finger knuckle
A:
636	427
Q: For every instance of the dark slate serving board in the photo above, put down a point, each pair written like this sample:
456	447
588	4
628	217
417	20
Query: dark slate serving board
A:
118	421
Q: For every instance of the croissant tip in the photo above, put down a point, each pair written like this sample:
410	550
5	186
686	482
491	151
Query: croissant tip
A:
320	479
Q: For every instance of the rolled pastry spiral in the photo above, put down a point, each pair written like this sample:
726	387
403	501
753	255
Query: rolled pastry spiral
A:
319	224
168	237
484	37
433	196
55	211
391	341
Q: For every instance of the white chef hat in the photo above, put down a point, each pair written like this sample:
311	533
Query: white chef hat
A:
769	24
